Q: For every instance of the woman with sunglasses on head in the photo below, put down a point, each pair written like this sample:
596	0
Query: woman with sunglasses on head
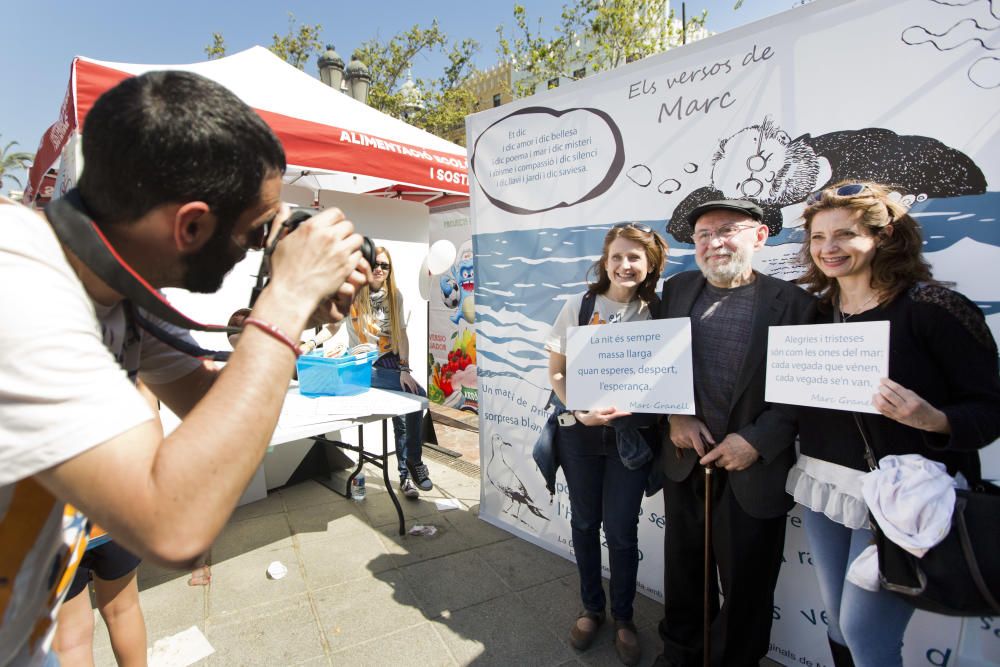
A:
606	463
941	399
377	318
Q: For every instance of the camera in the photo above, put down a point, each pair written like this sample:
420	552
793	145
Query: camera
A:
291	224
301	215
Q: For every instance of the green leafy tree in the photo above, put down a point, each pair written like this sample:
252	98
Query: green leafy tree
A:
601	34
298	44
450	100
294	47
217	49
388	63
11	160
444	100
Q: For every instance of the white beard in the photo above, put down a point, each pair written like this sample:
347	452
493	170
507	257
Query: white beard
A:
724	274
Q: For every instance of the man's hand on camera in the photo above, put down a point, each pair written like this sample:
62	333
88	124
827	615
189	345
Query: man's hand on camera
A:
319	259
333	309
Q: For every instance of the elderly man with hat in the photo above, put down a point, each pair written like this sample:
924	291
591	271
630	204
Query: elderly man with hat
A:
747	443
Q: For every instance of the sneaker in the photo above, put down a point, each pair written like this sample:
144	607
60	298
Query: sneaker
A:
420	475
406	486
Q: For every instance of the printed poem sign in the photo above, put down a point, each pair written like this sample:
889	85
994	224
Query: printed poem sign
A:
835	366
634	366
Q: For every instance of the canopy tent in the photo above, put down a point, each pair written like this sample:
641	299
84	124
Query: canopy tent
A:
332	141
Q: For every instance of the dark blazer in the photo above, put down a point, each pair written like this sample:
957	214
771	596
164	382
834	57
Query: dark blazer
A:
771	429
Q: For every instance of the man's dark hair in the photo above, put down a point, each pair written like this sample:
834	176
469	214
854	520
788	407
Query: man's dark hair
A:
171	137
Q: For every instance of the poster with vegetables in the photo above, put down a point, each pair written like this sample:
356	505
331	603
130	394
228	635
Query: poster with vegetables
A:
451	344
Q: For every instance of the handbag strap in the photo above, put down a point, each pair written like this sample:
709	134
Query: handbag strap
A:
586	310
870	457
970	556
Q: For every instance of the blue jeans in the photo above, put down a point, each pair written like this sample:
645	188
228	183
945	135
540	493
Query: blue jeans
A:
409	439
601	489
870	624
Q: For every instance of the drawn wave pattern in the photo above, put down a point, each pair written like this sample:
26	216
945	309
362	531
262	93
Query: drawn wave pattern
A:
945	222
530	285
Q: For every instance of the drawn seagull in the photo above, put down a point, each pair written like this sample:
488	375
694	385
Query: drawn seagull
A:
502	476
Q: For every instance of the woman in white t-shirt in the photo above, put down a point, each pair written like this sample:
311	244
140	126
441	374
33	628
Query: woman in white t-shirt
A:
606	481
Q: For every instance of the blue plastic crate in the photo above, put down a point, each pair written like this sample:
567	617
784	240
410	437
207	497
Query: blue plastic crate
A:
340	376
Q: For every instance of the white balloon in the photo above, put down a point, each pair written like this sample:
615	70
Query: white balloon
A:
440	256
424	281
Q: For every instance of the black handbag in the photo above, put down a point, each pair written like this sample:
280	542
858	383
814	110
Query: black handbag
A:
960	576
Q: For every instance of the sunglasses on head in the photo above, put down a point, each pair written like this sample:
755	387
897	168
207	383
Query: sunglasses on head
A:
848	190
385	266
642	227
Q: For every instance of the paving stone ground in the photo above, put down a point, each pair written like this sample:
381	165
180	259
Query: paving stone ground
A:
357	593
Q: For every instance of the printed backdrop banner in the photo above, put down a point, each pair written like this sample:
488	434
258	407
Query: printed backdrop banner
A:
903	92
451	342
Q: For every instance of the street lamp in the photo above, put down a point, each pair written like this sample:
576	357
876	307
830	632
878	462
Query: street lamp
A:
358	78
354	80
331	68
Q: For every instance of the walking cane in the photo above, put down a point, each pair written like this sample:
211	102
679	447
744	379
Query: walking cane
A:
706	606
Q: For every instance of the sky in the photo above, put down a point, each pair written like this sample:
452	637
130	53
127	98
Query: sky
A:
41	37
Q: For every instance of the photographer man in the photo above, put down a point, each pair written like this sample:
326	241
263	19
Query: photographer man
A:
181	178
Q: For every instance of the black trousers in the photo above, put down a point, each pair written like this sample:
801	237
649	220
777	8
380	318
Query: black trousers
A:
747	555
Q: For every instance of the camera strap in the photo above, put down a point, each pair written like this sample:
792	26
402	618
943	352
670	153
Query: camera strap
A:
77	231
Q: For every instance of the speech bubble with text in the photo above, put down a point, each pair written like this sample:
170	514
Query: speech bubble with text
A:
634	366
836	366
538	159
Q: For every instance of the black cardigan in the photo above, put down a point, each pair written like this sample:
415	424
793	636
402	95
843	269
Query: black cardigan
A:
941	348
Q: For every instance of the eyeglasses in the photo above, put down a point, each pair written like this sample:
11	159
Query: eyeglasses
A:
848	190
723	233
385	266
256	238
641	226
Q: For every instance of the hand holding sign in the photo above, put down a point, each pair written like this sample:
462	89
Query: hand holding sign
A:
836	366
600	417
899	403
641	366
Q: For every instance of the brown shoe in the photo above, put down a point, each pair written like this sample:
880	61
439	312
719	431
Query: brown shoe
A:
585	628
627	643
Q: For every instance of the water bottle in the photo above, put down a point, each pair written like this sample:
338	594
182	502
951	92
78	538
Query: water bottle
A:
358	487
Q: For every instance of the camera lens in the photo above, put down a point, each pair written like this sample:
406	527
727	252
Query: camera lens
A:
297	217
301	215
368	250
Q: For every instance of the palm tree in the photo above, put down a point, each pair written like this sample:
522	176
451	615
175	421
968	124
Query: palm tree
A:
11	160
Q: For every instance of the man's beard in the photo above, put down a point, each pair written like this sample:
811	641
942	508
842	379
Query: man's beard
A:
738	265
206	268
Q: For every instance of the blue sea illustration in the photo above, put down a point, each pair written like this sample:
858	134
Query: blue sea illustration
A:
525	276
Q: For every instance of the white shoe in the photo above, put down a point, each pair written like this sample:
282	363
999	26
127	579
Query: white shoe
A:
408	489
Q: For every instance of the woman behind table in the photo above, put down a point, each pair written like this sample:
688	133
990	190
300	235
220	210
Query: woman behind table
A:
377	318
941	400
601	487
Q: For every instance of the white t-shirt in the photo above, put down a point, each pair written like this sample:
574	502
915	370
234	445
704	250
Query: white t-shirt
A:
381	330
62	392
606	311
